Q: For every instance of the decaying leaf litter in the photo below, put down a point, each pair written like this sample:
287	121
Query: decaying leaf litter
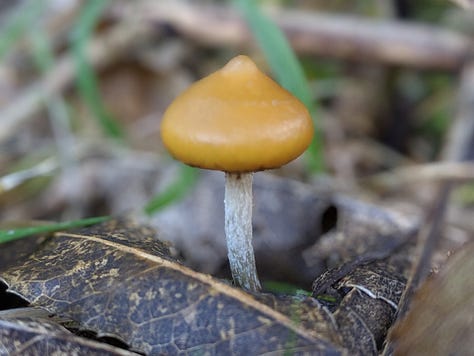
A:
350	239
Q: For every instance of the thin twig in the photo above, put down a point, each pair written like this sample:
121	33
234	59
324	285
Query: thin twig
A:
428	240
346	37
115	43
430	235
13	180
423	173
465	4
460	142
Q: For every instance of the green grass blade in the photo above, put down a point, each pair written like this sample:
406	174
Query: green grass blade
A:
87	81
42	53
174	192
17	24
15	234
280	56
277	287
286	67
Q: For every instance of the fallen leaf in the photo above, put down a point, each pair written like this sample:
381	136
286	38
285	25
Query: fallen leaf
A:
117	279
441	316
33	333
368	295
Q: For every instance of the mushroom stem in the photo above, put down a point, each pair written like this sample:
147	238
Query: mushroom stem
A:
238	229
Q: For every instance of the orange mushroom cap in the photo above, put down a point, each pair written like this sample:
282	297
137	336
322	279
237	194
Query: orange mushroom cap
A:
236	120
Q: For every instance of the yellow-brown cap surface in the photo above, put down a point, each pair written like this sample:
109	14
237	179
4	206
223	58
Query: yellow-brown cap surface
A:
236	120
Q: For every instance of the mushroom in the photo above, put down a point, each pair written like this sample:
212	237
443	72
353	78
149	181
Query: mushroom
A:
239	121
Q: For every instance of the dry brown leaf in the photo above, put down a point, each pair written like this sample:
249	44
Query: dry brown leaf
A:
40	336
118	280
441	317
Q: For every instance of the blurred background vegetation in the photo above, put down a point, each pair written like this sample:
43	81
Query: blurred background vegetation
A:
83	85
